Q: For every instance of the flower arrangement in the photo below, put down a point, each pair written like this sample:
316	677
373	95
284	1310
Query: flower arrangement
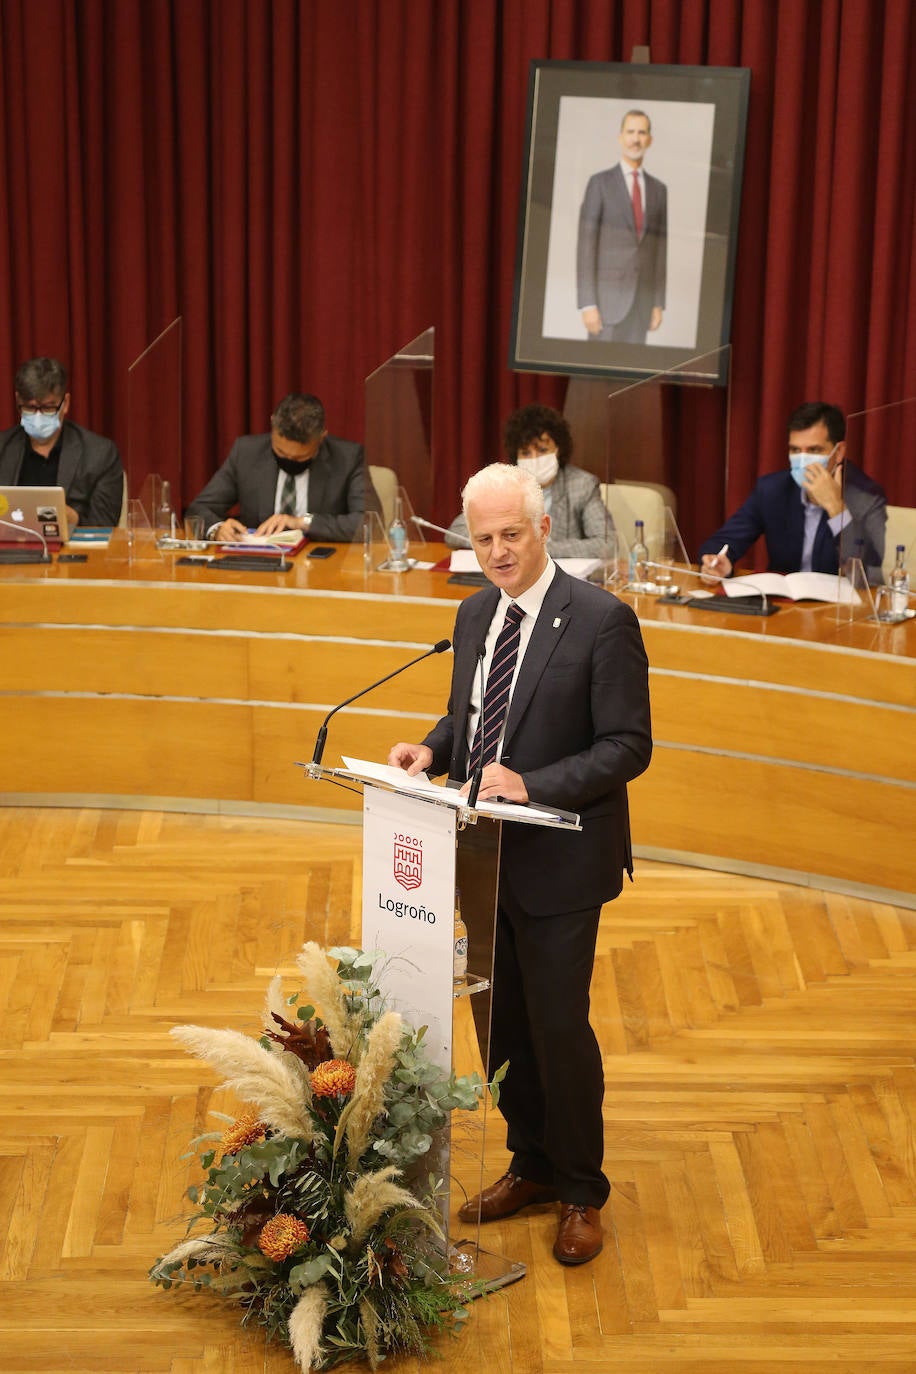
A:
311	1232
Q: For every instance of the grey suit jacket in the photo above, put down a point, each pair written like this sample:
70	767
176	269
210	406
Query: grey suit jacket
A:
340	489
611	263
90	471
579	520
578	731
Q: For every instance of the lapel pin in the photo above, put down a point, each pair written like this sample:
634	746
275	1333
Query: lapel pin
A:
557	623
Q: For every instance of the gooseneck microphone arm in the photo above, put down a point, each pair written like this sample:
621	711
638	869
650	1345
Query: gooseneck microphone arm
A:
439	648
45	552
478	771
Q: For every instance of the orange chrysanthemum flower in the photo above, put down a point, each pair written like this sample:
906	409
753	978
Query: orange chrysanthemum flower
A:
336	1078
245	1131
282	1236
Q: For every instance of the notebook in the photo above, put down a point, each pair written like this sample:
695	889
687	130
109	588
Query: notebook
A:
25	510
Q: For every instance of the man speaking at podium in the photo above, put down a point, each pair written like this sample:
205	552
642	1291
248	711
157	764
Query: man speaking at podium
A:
565	723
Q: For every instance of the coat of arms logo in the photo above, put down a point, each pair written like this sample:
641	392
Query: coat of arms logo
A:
408	862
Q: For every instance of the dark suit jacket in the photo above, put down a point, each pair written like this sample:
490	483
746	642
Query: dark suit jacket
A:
90	471
774	510
339	487
578	731
611	263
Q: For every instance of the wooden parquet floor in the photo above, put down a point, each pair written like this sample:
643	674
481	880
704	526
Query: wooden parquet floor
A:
760	1109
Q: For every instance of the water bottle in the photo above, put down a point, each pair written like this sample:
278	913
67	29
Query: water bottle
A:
899	583
639	555
165	518
461	945
397	539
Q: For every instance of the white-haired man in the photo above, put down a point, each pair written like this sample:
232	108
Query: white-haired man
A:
566	722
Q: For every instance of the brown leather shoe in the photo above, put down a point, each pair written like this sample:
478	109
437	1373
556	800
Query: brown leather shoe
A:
505	1197
579	1235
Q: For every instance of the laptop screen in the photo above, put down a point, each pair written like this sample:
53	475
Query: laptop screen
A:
29	513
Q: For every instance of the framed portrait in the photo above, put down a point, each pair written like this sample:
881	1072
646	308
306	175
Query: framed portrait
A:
628	220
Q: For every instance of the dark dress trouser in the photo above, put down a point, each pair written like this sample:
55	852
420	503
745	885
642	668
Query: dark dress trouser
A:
554	1089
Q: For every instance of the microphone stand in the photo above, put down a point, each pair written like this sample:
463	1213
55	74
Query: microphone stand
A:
45	554
314	768
440	529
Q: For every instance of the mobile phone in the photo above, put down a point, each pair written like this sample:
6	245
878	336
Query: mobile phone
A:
72	557
322	551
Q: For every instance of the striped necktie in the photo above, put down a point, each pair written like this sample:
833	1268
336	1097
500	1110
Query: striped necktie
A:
499	683
288	495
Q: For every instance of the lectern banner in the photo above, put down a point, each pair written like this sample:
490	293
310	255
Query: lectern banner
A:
409	908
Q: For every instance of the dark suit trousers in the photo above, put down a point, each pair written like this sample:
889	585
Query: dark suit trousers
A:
552	1094
634	326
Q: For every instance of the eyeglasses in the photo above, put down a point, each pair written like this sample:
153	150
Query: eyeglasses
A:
41	408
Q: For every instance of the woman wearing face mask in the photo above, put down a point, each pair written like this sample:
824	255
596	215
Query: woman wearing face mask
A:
538	438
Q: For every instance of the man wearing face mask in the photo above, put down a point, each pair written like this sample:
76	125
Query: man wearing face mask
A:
297	477
813	512
47	450
538	439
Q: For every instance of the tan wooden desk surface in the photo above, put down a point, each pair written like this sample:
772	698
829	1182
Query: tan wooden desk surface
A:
782	744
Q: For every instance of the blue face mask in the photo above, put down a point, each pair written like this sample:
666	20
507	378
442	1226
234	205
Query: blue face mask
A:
799	461
38	426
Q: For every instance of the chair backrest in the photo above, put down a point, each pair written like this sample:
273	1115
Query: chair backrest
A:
385	481
632	501
901	529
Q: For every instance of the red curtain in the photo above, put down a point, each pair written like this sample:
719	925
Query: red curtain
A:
310	183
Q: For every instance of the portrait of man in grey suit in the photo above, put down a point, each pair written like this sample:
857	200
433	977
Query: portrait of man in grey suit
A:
622	252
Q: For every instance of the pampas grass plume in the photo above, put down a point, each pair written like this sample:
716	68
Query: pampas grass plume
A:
327	992
275	1003
375	1068
255	1074
305	1323
371	1195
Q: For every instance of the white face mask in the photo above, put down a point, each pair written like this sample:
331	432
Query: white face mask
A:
543	468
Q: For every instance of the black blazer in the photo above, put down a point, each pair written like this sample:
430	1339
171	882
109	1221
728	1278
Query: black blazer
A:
340	489
578	731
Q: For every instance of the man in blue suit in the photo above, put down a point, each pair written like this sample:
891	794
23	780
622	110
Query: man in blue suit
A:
812	513
622	256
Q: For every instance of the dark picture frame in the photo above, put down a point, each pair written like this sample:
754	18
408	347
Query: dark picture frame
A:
698	121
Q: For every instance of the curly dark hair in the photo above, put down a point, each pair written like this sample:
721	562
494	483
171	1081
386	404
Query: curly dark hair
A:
525	425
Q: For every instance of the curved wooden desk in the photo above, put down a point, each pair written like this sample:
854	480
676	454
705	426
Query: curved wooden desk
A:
784	745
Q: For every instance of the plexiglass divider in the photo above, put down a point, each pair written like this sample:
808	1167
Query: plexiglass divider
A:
154	454
399	420
885	551
652	557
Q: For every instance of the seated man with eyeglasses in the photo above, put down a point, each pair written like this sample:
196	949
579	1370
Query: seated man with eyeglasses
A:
47	450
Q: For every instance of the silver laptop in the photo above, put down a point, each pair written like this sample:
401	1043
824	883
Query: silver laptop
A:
23	510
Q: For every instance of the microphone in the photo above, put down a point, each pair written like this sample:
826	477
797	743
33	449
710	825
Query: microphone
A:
428	525
478	771
45	556
439	648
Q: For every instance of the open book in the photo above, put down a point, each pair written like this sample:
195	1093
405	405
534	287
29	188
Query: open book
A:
798	586
284	541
